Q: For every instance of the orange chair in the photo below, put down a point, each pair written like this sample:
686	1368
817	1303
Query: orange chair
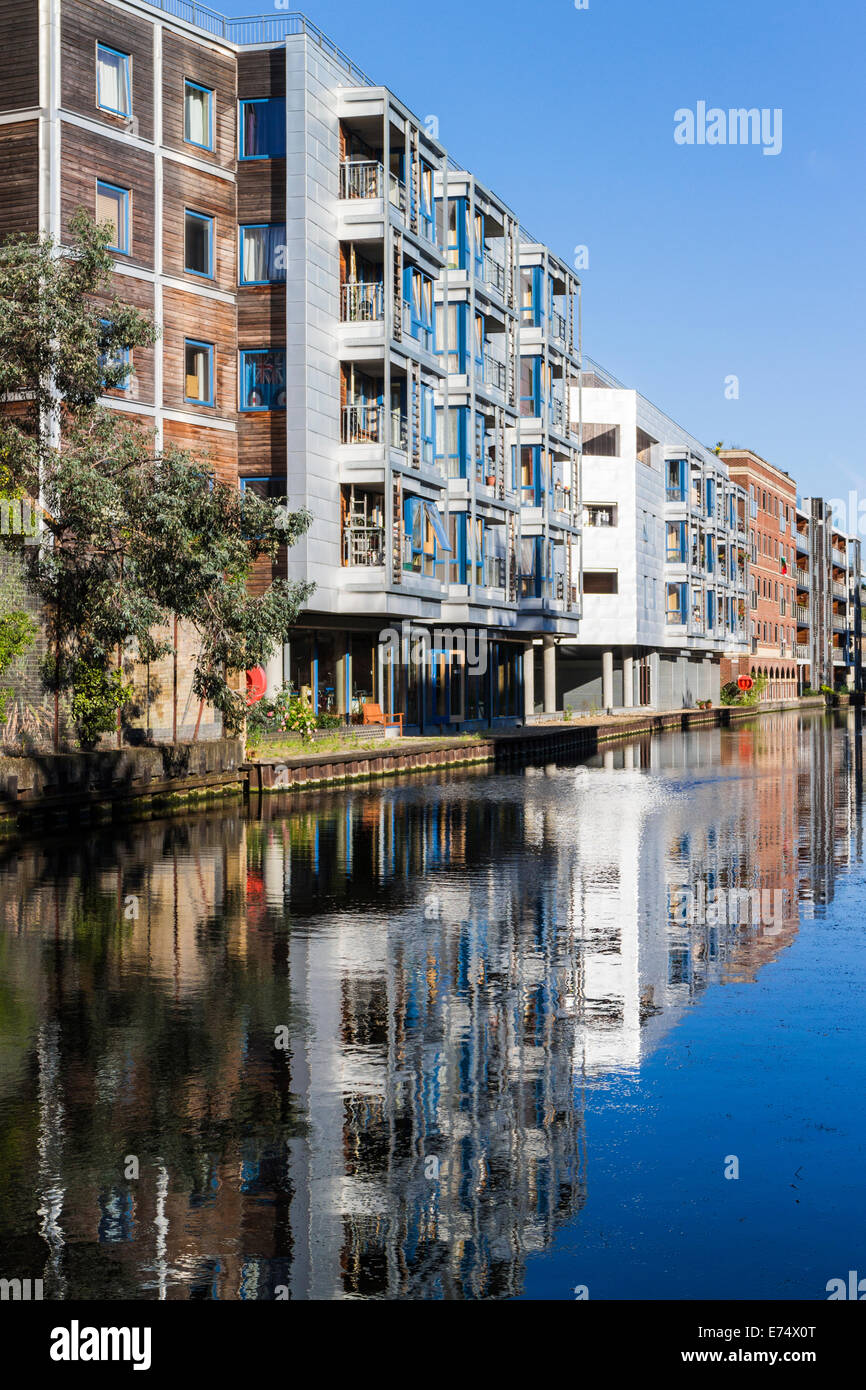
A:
372	714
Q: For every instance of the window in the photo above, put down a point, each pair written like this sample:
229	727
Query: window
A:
600	514
198	368
262	128
600	582
112	206
197	115
418	302
263	253
263	379
197	243
114	359
113	86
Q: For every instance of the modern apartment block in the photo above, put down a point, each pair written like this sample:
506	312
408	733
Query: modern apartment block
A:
347	318
829	602
665	576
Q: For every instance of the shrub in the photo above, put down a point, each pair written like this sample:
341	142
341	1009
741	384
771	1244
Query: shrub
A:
97	695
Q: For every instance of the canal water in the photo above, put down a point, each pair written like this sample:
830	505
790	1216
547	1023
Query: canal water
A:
589	1029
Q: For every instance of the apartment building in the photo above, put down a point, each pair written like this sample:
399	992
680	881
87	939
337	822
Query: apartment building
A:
665	577
829	605
804	607
772	546
347	318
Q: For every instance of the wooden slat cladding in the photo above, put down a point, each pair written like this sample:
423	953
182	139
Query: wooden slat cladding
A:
190	188
83	24
19	159
209	321
262	316
262	444
262	74
86	157
184	58
19	54
219	446
138	293
261	190
264	572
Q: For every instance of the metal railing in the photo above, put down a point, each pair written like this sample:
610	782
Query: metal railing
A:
801	612
839	557
361	178
259	29
801	652
840	591
557	413
803	578
365	424
362	303
557	326
364	545
839	624
494	274
561	499
494	373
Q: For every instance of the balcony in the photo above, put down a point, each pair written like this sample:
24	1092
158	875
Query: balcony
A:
802	614
803	578
364	545
561	499
839	557
801	652
557	414
494	373
365	424
840	591
494	275
839	623
493	572
557	326
367	178
362	303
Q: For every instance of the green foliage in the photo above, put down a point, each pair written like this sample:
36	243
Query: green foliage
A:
285	714
136	536
732	695
17	631
97	695
567	714
329	721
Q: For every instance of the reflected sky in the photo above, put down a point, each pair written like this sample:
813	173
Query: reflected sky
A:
467	1036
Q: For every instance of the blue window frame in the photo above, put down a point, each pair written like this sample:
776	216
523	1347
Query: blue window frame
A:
198	372
197	114
458	233
198	243
418	299
263	379
112	206
532	306
427	541
530	386
428	425
262	128
262	253
710	496
119	357
425	206
113	80
451	437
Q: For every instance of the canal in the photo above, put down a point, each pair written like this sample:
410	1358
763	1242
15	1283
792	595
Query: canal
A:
589	1029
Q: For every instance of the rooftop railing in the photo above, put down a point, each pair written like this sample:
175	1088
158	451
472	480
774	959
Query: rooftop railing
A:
260	29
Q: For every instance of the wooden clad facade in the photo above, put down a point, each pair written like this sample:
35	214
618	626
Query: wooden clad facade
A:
88	157
185	59
19	55
190	189
19	160
83	25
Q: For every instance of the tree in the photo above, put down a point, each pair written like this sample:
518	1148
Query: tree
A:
134	535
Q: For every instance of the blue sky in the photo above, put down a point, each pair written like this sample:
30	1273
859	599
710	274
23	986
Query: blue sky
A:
704	262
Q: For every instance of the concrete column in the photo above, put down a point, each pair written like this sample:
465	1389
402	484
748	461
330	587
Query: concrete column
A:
549	676
628	681
607	679
528	680
274	673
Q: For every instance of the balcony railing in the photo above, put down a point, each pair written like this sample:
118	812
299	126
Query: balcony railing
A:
803	578
365	178
675	493
840	591
493	572
839	557
839	624
364	545
494	274
494	373
557	326
801	651
365	424
561	499
802	613
362	303
557	414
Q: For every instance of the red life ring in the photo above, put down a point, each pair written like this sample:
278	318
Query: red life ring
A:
257	684
745	682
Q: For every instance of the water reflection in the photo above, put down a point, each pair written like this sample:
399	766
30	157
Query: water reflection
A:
343	1046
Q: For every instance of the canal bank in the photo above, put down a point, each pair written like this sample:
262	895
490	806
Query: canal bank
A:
55	789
